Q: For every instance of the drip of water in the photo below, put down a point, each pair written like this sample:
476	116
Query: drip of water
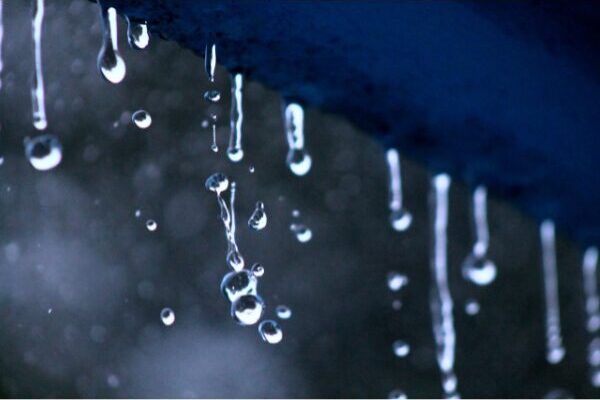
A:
151	225
167	316
302	232
283	312
477	267
270	331
43	152
210	60
592	308
396	281
137	34
234	150
141	119
298	160
401	348
441	299
554	346
248	309
1	41
400	218
37	87
258	219
257	270
110	63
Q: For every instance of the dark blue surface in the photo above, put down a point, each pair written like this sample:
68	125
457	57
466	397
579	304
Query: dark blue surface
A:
501	93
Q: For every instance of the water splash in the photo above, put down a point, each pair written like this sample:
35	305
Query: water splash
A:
210	60
396	281
110	63
234	150
141	119
1	41
283	312
167	316
554	346
440	297
270	331
258	219
37	87
592	308
477	267
400	218
43	152
298	160
137	34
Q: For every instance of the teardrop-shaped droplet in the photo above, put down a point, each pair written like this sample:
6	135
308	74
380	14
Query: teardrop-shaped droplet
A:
400	220
479	270
212	96
237	284
258	219
141	119
167	316
110	63
283	312
302	232
248	309
217	182
43	152
257	270
396	281
151	225
137	34
401	348
270	331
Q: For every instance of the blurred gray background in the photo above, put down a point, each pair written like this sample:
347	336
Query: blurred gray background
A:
82	281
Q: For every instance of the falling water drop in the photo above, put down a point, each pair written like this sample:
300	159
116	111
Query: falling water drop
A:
110	63
237	284
396	281
251	169
138	213
43	152
137	34
212	96
234	150
440	297
151	225
248	309
554	347
37	88
167	316
302	232
478	270
1	41
397	394
210	60
401	348
283	312
270	331
141	119
298	160
400	218
258	219
257	270
217	182
472	307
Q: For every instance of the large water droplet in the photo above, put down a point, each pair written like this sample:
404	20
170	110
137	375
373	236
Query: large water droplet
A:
137	34
401	348
400	220
141	119
270	331
396	281
302	232
258	219
248	309
212	96
167	316
43	152
110	63
237	284
217	182
479	270
283	312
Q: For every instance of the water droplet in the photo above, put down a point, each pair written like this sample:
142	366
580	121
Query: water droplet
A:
302	232
237	284
396	305
479	270
43	152
212	96
167	316
210	60
298	161
37	89
270	331
472	307
295	213
257	270
283	312
401	348
397	394
138	213
251	169
235	259
217	182
137	34
258	219
151	225
400	220
248	309
234	150
396	281
141	119
110	63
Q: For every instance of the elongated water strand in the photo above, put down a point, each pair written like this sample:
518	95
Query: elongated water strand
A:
1	41
298	160
110	63
210	60
554	346
234	150
440	298
400	218
592	308
37	87
137	34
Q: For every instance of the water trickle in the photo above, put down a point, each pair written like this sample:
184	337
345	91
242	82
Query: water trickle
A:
234	150
167	316
472	307
151	225
440	298
110	63
302	232
400	218
141	119
283	312
212	96
397	394
37	87
210	60
137	34
270	331
401	348
258	219
1	41
298	160
590	286
43	152
257	270
477	267
248	309
554	347
237	284
396	281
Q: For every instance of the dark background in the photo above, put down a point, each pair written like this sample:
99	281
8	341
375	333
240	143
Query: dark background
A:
70	243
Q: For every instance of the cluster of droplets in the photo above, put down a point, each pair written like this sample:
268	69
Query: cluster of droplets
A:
396	282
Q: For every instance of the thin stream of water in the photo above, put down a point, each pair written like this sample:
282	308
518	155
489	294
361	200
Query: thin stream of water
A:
37	87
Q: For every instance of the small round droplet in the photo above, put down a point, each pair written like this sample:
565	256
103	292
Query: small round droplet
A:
141	119
167	316
237	284
43	152
138	213
283	312
151	225
302	232
479	270
257	270
299	162
397	394
248	309
212	96
396	305
258	219
217	182
270	331
396	281
401	220
295	213
401	348
472	307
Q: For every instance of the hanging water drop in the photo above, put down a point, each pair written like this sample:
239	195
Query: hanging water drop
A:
401	348
110	63
141	119
302	232
43	152
167	316
37	88
217	182
234	150
298	160
212	96
270	331
258	219
237	284
257	270
210	60
283	312
151	225
397	394
137	34
248	309
400	218
396	281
